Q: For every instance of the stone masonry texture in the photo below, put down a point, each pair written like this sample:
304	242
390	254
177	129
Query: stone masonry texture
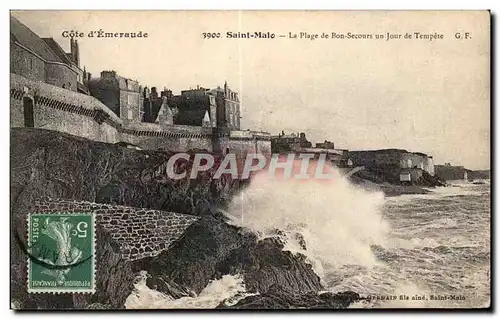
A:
139	232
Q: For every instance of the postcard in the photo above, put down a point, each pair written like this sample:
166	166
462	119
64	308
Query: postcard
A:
229	160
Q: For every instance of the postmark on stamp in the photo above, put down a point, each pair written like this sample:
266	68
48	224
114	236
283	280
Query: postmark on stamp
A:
61	252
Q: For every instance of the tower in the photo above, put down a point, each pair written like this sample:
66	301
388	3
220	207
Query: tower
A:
75	53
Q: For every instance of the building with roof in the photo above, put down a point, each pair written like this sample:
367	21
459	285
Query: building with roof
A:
49	90
407	164
42	59
196	107
121	95
228	107
154	105
219	107
283	143
447	172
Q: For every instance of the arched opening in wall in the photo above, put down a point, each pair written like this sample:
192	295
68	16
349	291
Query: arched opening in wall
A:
226	151
29	120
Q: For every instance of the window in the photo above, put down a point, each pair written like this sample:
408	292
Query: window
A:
132	99
31	63
231	114
141	111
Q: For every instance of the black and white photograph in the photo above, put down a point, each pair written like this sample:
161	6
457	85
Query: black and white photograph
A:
234	160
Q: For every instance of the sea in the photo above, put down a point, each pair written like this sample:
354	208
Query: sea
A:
408	251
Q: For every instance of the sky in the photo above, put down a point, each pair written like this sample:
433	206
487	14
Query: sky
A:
414	94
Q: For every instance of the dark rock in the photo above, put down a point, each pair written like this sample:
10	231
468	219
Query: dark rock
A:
211	248
51	164
168	287
99	306
265	264
193	261
60	165
283	299
390	175
114	275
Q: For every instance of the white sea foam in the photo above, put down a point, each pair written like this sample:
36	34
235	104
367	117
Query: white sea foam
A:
465	189
143	296
413	243
338	221
229	289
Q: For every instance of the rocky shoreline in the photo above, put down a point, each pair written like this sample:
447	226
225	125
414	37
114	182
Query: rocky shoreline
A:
52	164
376	182
280	279
57	165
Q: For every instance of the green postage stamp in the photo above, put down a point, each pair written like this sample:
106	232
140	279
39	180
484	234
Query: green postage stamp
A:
61	253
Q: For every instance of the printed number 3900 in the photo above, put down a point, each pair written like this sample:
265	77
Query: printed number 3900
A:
210	35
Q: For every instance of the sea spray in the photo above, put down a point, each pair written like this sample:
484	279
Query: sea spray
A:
339	222
229	289
415	260
144	297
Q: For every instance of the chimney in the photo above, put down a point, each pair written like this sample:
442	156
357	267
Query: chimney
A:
75	54
154	93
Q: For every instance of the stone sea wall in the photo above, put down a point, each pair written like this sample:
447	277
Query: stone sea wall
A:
139	232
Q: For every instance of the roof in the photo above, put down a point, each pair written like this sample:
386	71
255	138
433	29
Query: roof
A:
56	48
320	150
27	38
190	117
387	150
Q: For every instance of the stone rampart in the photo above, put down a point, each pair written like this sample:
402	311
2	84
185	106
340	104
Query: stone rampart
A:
395	158
57	97
82	115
